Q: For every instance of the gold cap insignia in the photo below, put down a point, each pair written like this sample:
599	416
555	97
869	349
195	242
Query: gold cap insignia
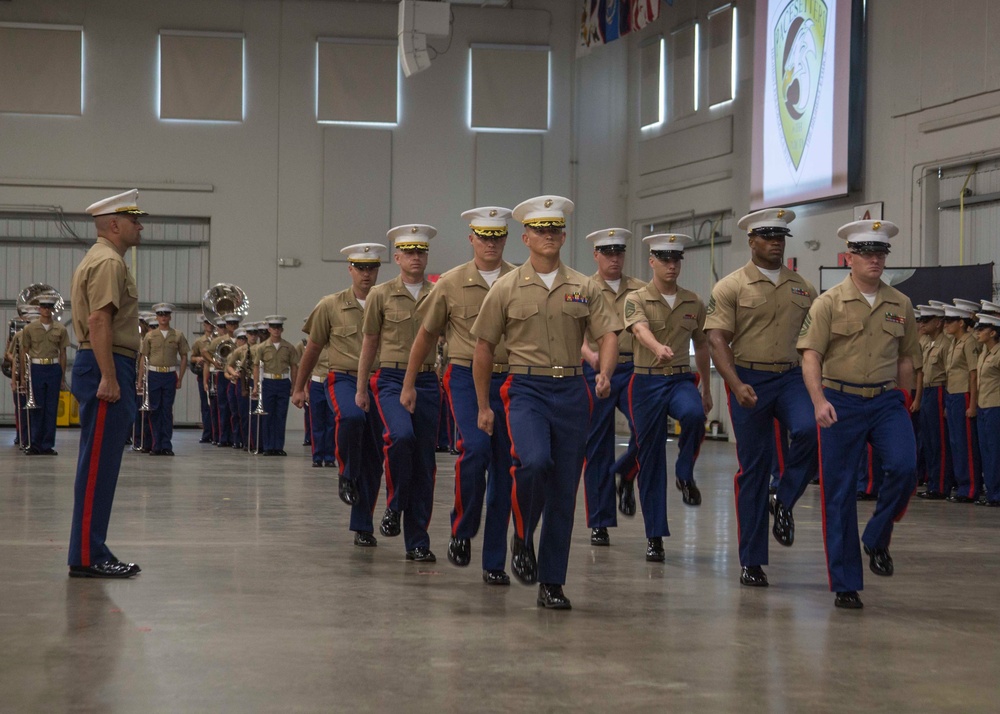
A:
781	213
414	229
367	248
876	225
673	239
548	202
610	233
493	213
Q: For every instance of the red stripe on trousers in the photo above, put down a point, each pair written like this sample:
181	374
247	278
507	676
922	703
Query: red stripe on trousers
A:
92	469
822	504
390	487
942	440
739	468
460	447
331	378
515	506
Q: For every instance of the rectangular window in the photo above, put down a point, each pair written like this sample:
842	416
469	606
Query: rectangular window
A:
682	72
201	76
721	55
509	87
651	84
42	69
357	81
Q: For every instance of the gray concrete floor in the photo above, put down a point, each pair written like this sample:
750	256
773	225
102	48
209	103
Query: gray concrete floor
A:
253	598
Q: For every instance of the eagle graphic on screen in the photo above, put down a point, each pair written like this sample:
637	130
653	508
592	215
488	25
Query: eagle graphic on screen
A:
799	62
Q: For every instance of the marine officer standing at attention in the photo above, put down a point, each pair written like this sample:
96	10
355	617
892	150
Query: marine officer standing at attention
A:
929	403
44	342
962	393
482	470
392	316
334	326
542	310
664	320
987	334
754	316
164	353
105	303
275	369
600	466
859	353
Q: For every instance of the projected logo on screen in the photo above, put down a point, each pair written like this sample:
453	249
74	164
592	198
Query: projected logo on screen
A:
799	59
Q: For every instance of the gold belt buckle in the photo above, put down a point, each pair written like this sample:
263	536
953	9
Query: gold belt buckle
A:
557	372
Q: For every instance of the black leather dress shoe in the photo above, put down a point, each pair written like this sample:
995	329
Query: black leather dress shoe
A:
390	524
168	452
848	599
771	498
421	554
280	452
599	536
689	492
654	550
441	449
307	443
814	481
551	597
496	577
993	504
364	539
317	464
155	452
960	499
225	444
931	495
459	552
879	561
784	524
522	561
865	496
110	569
626	496
205	440
330	464
349	494
753	575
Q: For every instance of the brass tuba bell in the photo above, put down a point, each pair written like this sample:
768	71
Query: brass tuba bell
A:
225	299
29	296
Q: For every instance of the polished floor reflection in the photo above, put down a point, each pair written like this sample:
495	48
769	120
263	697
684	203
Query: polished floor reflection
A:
253	598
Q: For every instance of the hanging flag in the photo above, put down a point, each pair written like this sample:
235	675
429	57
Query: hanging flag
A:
644	12
591	22
603	21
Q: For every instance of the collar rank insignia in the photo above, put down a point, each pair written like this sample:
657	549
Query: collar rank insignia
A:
898	319
800	291
577	297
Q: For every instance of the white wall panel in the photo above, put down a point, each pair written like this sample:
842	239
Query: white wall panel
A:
508	171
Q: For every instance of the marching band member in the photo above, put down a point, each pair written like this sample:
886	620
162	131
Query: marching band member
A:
665	319
930	403
482	470
236	365
543	309
215	372
44	342
392	316
600	466
334	326
197	362
276	364
163	354
753	320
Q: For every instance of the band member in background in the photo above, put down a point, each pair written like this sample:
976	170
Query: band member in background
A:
236	365
665	319
275	371
334	326
142	430
215	372
753	320
105	303
392	316
164	354
197	362
45	341
961	401
600	466
542	310
482	470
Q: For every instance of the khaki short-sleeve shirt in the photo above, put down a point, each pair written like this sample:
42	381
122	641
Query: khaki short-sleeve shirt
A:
543	327
962	359
988	374
392	313
164	351
617	301
935	358
101	279
763	317
237	356
671	327
278	358
861	344
45	344
335	324
198	345
452	308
